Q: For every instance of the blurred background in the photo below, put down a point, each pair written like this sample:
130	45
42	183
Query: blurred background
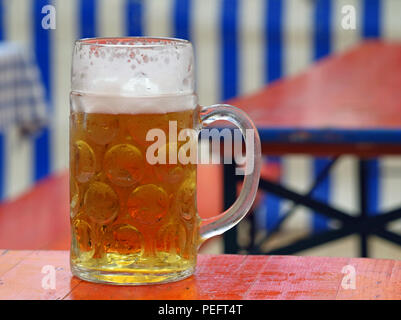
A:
240	46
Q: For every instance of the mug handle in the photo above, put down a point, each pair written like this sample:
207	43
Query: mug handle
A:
219	224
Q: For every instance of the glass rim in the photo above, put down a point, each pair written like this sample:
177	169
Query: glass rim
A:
133	42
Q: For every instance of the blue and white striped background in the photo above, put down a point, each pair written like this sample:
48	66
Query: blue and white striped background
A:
240	45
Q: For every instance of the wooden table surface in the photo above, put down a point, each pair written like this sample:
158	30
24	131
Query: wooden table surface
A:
225	277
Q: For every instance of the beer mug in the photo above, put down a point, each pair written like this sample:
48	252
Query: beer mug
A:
133	215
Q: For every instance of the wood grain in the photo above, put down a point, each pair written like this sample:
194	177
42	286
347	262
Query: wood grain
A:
225	277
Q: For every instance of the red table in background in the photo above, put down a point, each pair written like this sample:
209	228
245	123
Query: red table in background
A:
39	219
217	277
344	104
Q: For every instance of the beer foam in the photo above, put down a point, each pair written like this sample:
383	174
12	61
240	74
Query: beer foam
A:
112	104
133	67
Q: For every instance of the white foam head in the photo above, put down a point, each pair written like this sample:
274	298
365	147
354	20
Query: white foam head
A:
121	69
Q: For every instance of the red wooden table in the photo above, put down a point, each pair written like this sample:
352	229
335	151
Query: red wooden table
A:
217	277
344	104
39	219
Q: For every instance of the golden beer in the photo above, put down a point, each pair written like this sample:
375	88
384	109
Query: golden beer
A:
127	215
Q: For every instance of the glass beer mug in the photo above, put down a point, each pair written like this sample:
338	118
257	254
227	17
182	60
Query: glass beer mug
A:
134	220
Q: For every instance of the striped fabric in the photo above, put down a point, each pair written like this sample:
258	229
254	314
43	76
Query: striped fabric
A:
241	45
22	100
